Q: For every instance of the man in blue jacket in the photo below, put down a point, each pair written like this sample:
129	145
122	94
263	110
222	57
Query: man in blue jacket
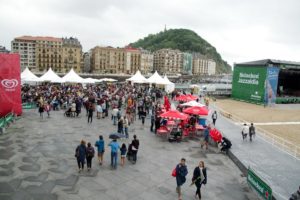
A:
114	145
181	172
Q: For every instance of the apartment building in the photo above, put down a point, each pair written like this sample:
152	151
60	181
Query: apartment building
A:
203	65
71	55
146	62
168	61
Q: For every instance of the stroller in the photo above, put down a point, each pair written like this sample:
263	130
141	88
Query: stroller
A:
68	113
130	153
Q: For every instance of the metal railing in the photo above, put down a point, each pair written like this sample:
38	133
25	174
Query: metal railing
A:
279	142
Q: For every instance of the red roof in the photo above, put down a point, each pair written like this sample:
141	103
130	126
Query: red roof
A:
40	38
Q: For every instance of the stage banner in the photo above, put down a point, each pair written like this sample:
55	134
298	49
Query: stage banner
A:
271	85
10	84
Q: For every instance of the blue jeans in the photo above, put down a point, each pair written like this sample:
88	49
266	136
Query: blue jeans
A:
114	159
115	120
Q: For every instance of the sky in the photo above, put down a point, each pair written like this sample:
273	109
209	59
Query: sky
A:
241	30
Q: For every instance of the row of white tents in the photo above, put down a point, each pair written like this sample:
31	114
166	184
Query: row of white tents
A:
50	76
72	77
154	79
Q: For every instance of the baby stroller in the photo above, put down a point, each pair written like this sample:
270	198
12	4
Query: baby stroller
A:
130	153
68	113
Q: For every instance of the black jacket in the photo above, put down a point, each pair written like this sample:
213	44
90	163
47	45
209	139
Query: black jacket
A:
196	176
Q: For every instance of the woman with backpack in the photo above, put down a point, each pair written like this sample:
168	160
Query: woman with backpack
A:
199	178
90	152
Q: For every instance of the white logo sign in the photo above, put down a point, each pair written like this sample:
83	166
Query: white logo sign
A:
9	84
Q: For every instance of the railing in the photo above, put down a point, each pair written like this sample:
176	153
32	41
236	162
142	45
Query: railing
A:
5	121
279	142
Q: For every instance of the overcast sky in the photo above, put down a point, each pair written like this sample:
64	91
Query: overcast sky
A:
241	30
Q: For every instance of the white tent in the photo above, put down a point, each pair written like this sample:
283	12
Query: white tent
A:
137	78
51	77
192	103
156	79
169	87
90	80
28	76
72	77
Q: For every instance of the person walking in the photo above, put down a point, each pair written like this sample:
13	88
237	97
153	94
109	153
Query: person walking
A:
90	152
114	145
126	124
41	110
135	147
143	115
152	121
121	125
90	112
80	154
123	151
199	178
100	147
206	137
47	109
251	132
114	114
181	172
245	131
214	117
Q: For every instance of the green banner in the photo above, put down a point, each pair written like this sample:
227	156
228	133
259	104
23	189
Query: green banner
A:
248	83
263	189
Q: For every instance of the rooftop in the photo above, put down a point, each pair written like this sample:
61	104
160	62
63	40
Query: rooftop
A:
267	62
40	38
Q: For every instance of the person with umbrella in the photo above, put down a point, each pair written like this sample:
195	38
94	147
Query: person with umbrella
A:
114	145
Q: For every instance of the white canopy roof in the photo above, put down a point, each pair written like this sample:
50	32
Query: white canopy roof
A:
137	78
167	80
90	80
72	77
156	79
192	103
51	77
28	76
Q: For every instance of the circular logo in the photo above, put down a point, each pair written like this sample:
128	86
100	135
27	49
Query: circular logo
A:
9	83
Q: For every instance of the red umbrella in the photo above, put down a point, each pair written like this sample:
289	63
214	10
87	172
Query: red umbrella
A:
195	110
174	114
191	97
215	135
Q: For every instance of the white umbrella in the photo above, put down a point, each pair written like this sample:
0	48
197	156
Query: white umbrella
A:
192	103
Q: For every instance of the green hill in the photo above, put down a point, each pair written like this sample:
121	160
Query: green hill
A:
184	40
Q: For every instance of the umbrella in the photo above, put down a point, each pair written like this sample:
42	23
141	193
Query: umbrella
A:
174	114
115	136
186	98
215	135
192	103
195	110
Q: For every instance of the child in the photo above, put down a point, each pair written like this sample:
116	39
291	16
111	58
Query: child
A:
123	150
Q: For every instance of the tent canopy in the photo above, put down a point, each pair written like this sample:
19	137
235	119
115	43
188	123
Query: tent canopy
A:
169	87
137	78
72	77
51	77
28	76
157	79
108	80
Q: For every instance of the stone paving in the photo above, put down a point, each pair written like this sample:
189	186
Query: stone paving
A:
37	162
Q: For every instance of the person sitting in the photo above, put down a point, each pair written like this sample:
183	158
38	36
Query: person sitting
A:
226	145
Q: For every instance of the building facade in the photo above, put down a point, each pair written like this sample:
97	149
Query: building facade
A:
203	65
87	62
25	46
3	50
187	64
146	62
133	60
71	55
41	53
168	61
108	60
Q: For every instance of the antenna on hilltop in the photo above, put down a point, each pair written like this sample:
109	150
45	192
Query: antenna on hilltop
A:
165	28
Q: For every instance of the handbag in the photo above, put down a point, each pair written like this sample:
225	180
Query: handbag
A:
174	172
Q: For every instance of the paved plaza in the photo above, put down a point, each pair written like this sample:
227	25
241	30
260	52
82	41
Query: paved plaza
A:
37	162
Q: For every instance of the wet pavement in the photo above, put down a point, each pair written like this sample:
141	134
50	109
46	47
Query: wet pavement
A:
37	162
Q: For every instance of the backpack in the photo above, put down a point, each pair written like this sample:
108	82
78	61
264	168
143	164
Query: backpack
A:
90	152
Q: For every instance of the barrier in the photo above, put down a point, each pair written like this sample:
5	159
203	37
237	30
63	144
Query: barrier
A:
279	142
5	121
31	105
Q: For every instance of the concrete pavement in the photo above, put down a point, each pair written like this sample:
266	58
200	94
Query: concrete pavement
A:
37	162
